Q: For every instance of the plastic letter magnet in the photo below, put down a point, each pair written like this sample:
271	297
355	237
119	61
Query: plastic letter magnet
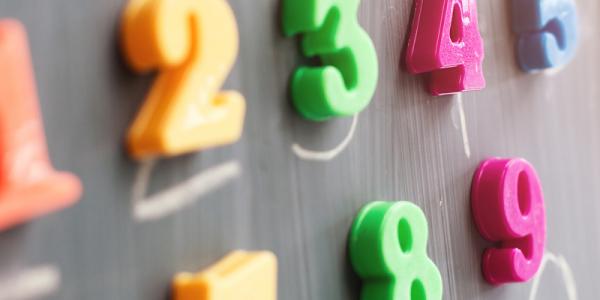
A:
240	275
388	250
508	208
29	185
445	41
548	32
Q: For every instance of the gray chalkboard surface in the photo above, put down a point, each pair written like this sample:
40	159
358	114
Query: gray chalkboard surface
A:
258	194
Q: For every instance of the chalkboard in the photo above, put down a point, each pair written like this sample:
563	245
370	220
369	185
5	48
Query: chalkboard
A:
259	194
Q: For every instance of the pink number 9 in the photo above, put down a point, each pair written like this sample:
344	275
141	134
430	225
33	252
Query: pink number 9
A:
508	207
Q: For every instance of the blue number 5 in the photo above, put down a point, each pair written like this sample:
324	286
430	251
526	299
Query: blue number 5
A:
548	32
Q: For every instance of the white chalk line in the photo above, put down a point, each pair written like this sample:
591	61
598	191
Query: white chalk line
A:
463	125
31	284
553	71
171	200
566	272
306	154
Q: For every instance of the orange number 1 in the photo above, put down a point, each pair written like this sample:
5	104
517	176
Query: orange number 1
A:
194	45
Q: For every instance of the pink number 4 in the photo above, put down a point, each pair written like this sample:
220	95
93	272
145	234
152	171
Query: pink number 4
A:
445	41
508	207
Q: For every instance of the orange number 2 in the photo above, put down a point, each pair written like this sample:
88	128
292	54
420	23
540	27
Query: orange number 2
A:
194	45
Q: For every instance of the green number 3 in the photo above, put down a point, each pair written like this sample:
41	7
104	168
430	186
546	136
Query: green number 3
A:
388	250
346	83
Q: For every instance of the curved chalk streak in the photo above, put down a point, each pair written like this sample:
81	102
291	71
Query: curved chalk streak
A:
179	196
330	154
31	284
565	270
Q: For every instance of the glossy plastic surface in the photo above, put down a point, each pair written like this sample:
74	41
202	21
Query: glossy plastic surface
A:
29	185
346	82
548	32
445	41
388	250
508	207
240	275
193	44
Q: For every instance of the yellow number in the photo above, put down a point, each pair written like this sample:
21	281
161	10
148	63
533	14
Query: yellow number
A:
193	44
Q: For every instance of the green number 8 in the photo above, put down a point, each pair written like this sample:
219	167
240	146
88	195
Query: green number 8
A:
346	83
388	250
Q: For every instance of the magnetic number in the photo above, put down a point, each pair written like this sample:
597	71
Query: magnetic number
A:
548	32
388	250
240	275
193	44
445	41
29	184
346	83
508	207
